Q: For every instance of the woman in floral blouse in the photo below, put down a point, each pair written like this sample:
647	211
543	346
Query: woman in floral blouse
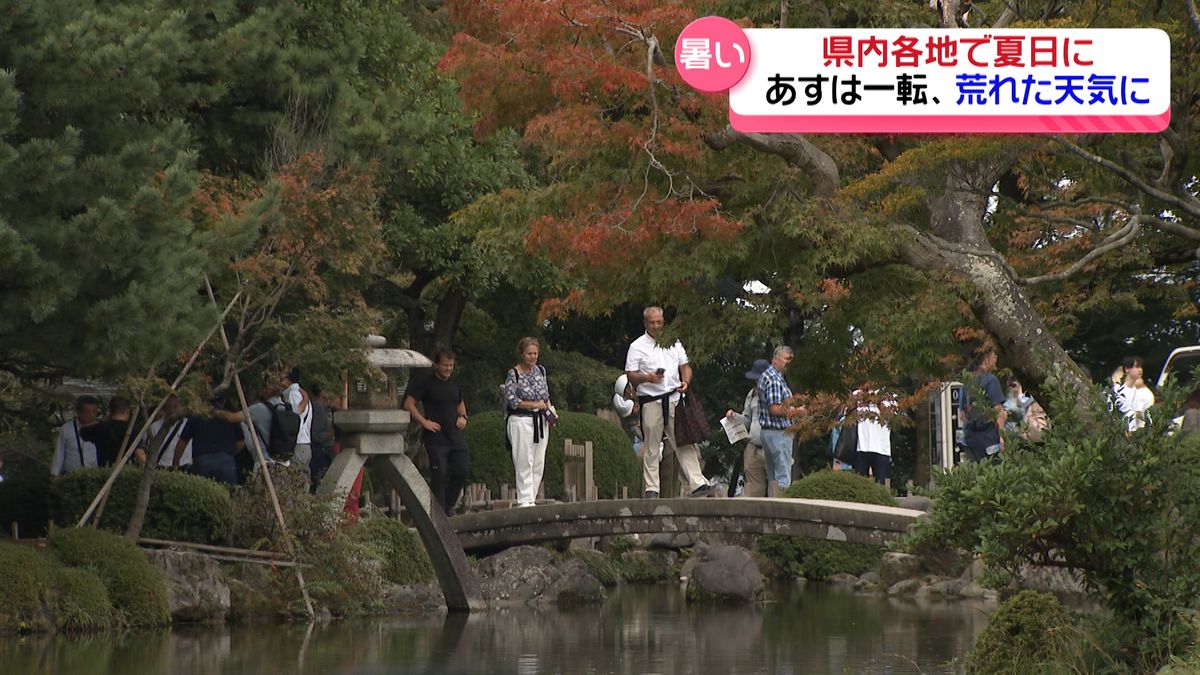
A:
530	414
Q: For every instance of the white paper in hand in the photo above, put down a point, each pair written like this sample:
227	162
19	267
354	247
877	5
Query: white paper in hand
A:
734	429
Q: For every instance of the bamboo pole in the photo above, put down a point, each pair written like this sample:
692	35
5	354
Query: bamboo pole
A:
150	541
120	453
262	462
112	477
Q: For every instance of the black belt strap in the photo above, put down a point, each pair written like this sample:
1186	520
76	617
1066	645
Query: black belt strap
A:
666	404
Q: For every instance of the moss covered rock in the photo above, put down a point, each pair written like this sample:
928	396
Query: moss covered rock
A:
26	583
137	589
614	463
183	507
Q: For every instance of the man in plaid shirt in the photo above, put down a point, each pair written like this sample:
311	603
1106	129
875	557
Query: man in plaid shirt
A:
774	397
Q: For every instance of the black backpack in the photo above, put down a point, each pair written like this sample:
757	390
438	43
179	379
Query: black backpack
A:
285	429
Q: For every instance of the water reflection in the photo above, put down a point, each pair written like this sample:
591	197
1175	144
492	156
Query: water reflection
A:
640	630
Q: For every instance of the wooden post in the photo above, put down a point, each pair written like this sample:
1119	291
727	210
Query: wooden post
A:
589	479
112	477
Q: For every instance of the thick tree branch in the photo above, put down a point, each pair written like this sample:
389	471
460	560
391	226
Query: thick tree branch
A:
793	148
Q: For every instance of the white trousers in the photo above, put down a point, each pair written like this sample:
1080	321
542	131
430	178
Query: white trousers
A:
529	458
687	457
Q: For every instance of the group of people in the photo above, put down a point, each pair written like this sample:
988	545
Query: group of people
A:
442	416
214	445
656	378
987	408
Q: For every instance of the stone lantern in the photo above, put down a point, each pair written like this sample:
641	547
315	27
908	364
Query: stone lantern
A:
373	436
367	393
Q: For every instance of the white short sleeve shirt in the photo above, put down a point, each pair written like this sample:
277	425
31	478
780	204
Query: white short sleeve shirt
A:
645	356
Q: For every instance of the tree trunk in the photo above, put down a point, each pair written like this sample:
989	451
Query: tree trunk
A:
449	315
922	469
138	518
960	245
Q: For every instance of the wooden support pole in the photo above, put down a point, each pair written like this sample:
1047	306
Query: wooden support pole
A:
112	477
120	453
262	462
167	543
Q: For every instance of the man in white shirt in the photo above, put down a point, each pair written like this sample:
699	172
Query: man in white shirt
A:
166	450
298	399
874	456
661	374
71	452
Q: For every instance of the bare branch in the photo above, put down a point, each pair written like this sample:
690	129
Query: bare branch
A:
1187	203
1116	240
794	148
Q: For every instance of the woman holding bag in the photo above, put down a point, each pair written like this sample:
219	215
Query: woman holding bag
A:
530	415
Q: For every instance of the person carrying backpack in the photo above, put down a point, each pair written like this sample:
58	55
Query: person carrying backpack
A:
981	426
299	403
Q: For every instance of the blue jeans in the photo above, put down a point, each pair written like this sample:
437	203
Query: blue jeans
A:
777	450
218	466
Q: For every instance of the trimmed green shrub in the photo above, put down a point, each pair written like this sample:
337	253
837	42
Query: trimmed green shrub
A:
1024	635
26	484
398	548
137	589
83	602
817	559
25	589
183	507
842	486
614	463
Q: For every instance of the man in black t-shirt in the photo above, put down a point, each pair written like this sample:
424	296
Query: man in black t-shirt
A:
108	435
215	442
442	426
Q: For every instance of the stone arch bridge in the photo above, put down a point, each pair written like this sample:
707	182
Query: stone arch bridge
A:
818	519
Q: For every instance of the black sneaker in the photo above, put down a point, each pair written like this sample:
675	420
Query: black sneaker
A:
650	494
704	491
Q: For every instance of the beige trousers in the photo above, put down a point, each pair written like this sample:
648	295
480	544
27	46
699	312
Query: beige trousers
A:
687	457
754	471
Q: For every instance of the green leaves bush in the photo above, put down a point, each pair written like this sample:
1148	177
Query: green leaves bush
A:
25	589
137	589
183	507
1025	635
614	464
26	484
1123	510
817	559
398	548
842	486
83	602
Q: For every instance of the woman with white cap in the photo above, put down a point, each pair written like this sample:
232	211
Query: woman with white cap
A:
624	401
754	463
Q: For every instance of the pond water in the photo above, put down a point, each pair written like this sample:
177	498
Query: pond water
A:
642	629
